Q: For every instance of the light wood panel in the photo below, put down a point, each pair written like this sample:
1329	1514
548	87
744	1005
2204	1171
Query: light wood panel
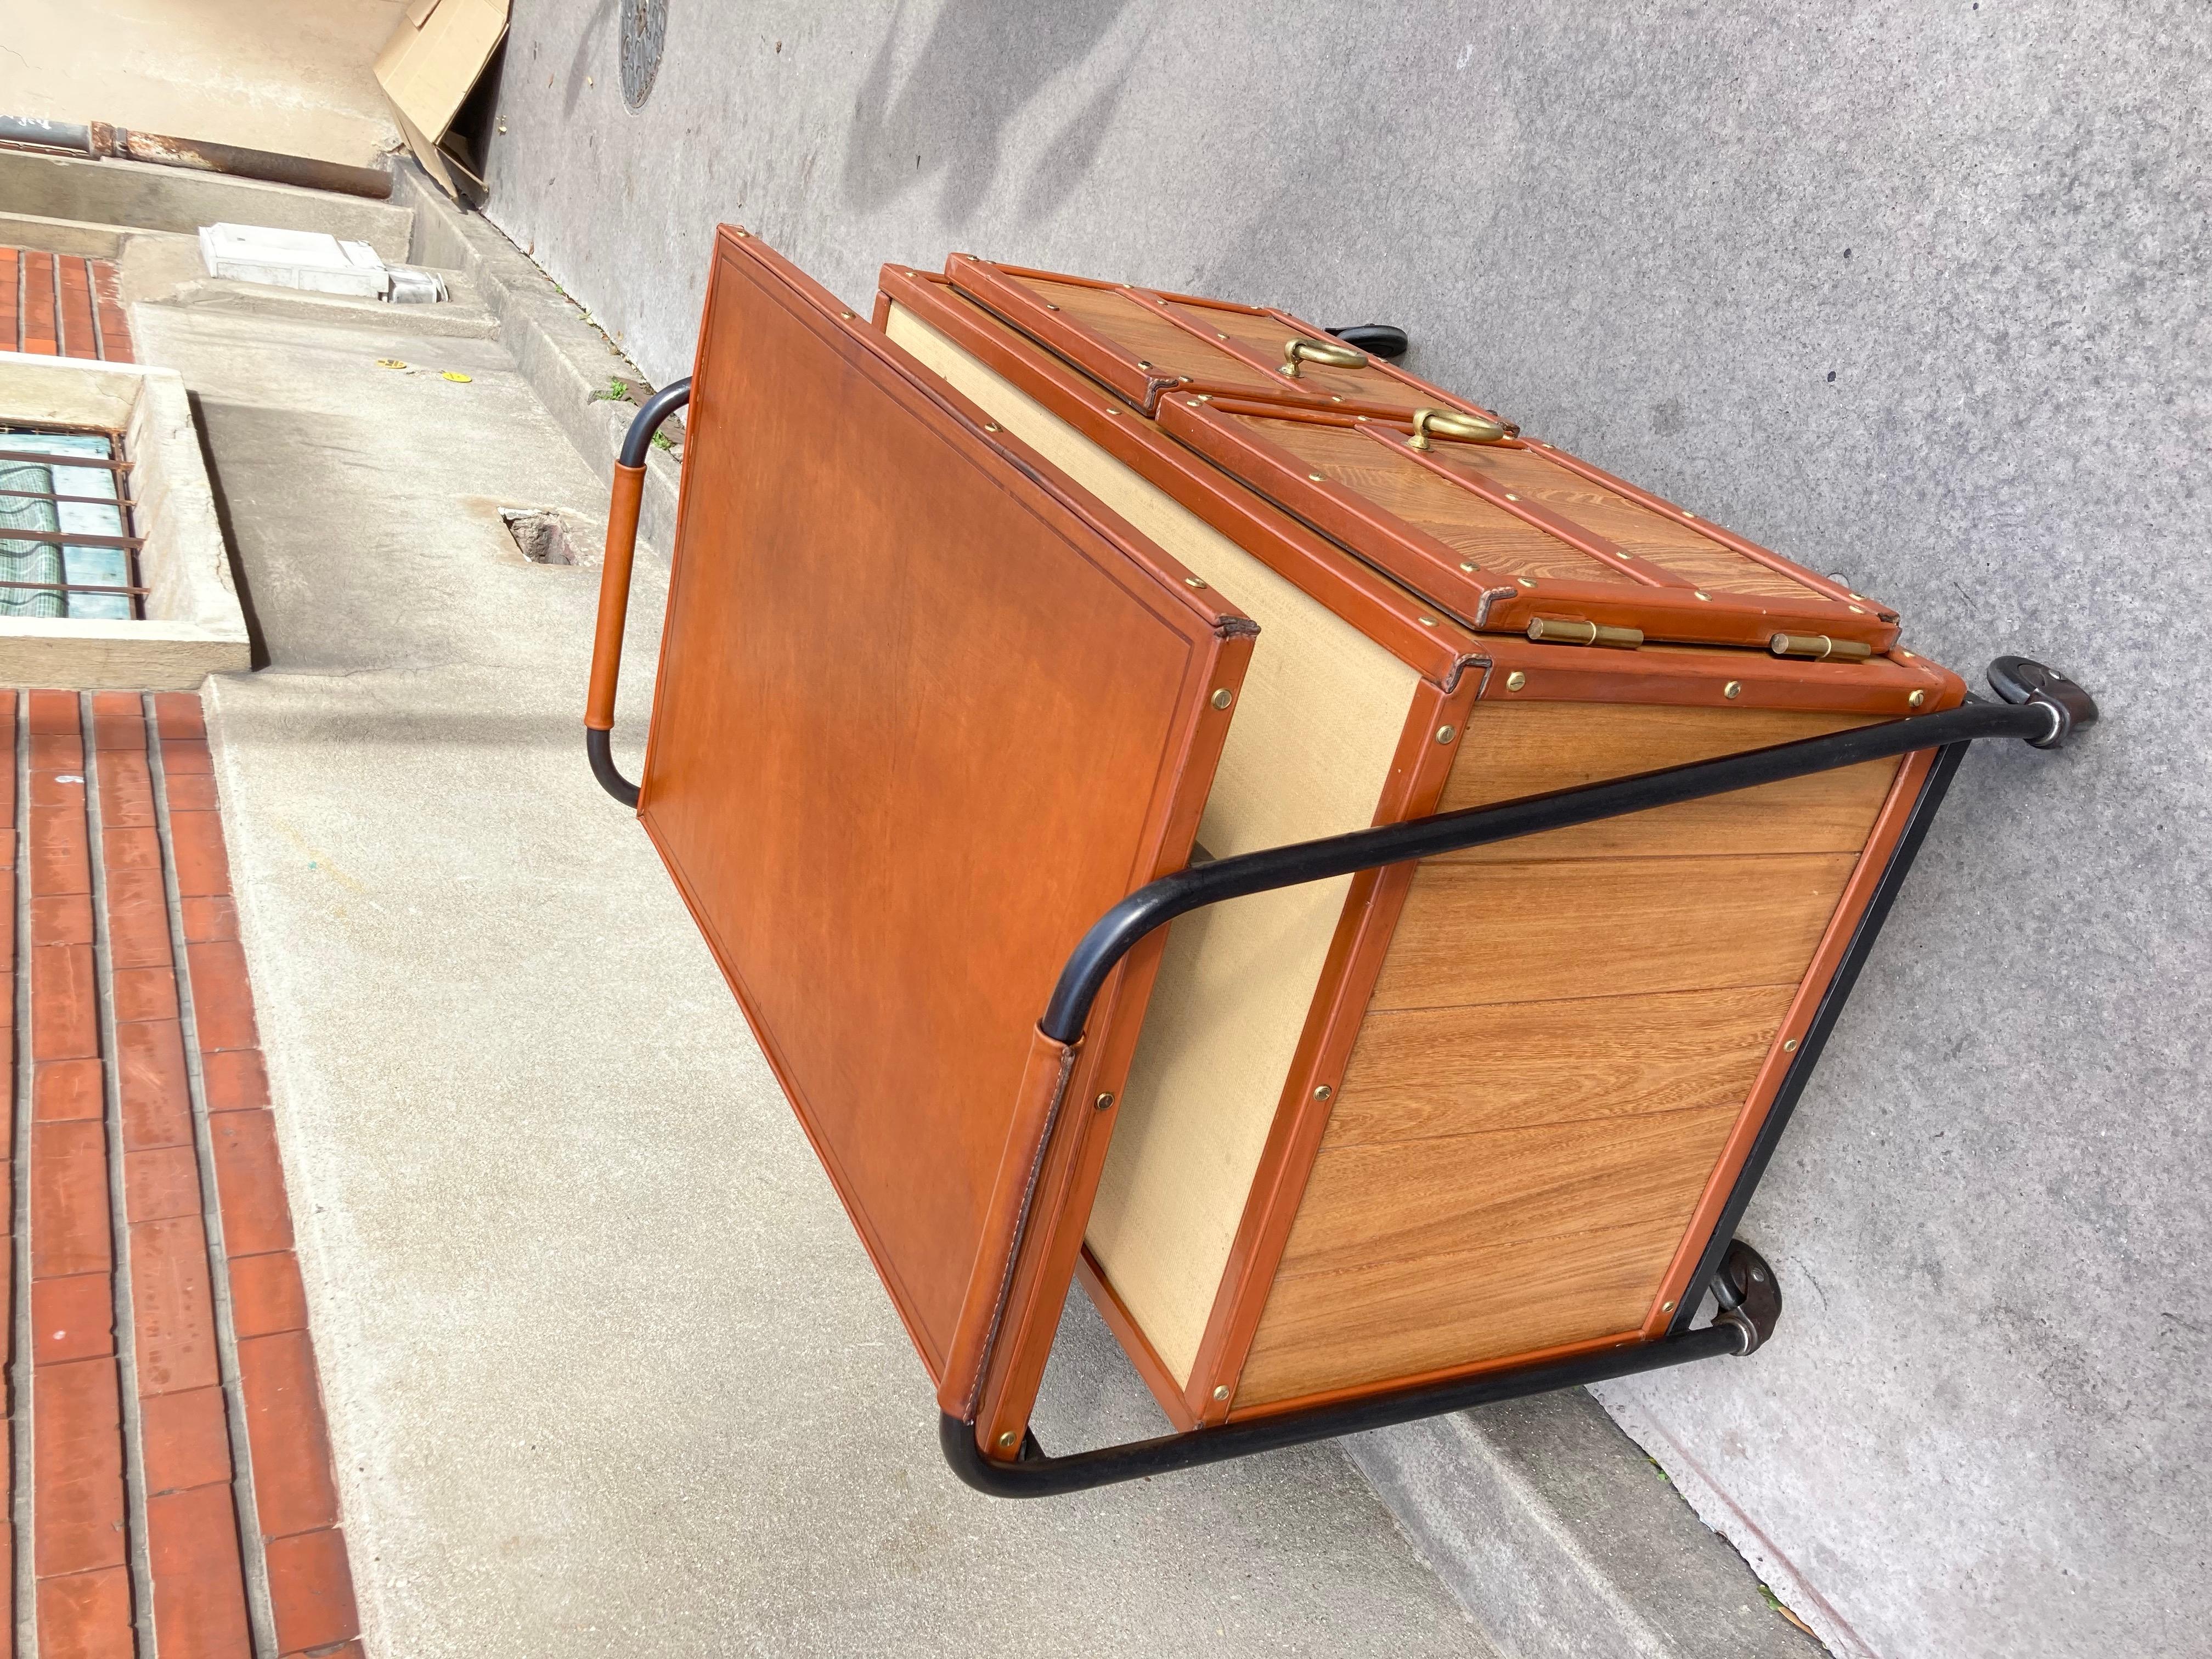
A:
1419	1073
1429	1199
1400	1318
1488	536
1523	932
1510	749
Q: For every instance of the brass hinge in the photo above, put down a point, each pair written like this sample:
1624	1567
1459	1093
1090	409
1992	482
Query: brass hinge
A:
1819	647
1550	630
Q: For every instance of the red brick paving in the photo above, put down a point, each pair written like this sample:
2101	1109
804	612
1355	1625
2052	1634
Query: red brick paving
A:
182	1522
62	306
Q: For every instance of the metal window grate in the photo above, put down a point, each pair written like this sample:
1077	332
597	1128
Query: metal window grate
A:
66	547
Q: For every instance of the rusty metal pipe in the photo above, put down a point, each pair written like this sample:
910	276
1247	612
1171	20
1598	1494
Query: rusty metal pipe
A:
98	139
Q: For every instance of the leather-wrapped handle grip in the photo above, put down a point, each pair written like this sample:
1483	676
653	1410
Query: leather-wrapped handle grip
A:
622	509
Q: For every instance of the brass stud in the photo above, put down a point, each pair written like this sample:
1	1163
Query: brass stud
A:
1465	566
1856	610
1194	581
1907	655
990	426
1428	622
1221	1392
1316	477
1141	363
1049	306
1626	557
1516	680
1334	398
846	315
1446	733
1323	1092
1688	513
1791	1047
1524	581
1916	700
1733	688
1696	594
1102	1102
1008	1440
1359	417
1110	409
1511	497
1218	335
744	233
1665	1307
1224	698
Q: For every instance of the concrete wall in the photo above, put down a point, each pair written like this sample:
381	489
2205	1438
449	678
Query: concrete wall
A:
1911	292
292	76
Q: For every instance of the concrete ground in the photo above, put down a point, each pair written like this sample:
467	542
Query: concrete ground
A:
605	1368
293	78
1911	292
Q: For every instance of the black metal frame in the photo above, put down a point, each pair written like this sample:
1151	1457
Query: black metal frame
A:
2041	707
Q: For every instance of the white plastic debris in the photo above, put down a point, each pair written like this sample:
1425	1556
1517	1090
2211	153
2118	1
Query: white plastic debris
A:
312	262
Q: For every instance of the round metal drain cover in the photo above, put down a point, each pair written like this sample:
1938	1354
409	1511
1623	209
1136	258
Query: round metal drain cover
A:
643	24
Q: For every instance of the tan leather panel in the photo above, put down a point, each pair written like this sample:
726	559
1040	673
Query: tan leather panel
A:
923	713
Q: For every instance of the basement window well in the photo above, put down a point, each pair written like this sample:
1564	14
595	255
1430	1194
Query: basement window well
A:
65	544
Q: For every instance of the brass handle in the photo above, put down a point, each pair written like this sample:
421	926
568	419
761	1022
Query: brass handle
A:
1453	424
1296	351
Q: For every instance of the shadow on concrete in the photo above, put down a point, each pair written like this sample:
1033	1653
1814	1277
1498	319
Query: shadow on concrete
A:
976	70
257	641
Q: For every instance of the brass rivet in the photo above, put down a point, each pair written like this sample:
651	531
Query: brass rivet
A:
1194	401
1516	680
1860	597
1323	1092
1665	1307
1316	477
846	315
1428	622
1732	689
1445	733
1907	655
1141	363
1193	581
1218	335
1791	1047
1916	700
1626	557
1695	594
1224	698
1221	1392
1007	1439
990	426
1359	417
1049	306
1110	409
1334	398
1466	567
1688	515
744	233
1102	1102
1524	581
1855	610
1511	497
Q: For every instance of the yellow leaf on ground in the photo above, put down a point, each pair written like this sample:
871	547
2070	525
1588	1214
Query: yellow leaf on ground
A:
452	375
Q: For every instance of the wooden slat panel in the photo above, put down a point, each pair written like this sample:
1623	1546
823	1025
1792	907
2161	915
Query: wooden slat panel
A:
1408	1200
1145	335
1530	933
1489	536
1510	749
1632	528
1423	1072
